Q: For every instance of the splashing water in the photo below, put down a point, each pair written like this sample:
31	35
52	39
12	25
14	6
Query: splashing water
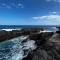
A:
15	49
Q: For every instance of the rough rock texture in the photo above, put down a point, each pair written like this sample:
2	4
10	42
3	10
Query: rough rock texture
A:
6	35
48	44
55	38
50	50
41	38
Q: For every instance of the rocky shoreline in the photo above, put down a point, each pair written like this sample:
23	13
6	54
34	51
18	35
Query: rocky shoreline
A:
6	35
48	47
48	43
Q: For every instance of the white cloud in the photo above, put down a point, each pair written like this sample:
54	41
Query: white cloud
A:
3	5
18	5
12	5
48	17
53	12
53	1
48	0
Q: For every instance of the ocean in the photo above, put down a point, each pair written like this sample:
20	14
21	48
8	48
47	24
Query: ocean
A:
17	27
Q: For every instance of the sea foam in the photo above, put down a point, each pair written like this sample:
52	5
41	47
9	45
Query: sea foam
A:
15	49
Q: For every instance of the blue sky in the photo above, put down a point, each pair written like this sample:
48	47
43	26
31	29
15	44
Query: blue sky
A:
29	12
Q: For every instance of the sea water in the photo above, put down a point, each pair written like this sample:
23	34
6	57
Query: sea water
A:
14	49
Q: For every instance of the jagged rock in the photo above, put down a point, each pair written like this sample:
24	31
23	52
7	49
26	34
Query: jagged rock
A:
41	38
58	32
55	38
49	50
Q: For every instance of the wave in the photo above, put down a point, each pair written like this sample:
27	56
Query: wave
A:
9	29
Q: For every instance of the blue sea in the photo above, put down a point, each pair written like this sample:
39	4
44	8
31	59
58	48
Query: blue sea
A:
51	28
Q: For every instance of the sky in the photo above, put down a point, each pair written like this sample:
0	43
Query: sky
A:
29	12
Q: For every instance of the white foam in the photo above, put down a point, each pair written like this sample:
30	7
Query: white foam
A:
24	37
45	31
30	45
18	56
18	48
10	29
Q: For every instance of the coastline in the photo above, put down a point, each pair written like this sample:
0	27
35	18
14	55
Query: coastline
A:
44	40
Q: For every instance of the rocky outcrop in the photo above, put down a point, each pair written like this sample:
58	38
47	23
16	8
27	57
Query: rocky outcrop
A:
49	50
41	38
47	46
6	35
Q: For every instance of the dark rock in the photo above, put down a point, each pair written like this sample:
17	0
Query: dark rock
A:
41	38
58	32
29	57
6	35
47	52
